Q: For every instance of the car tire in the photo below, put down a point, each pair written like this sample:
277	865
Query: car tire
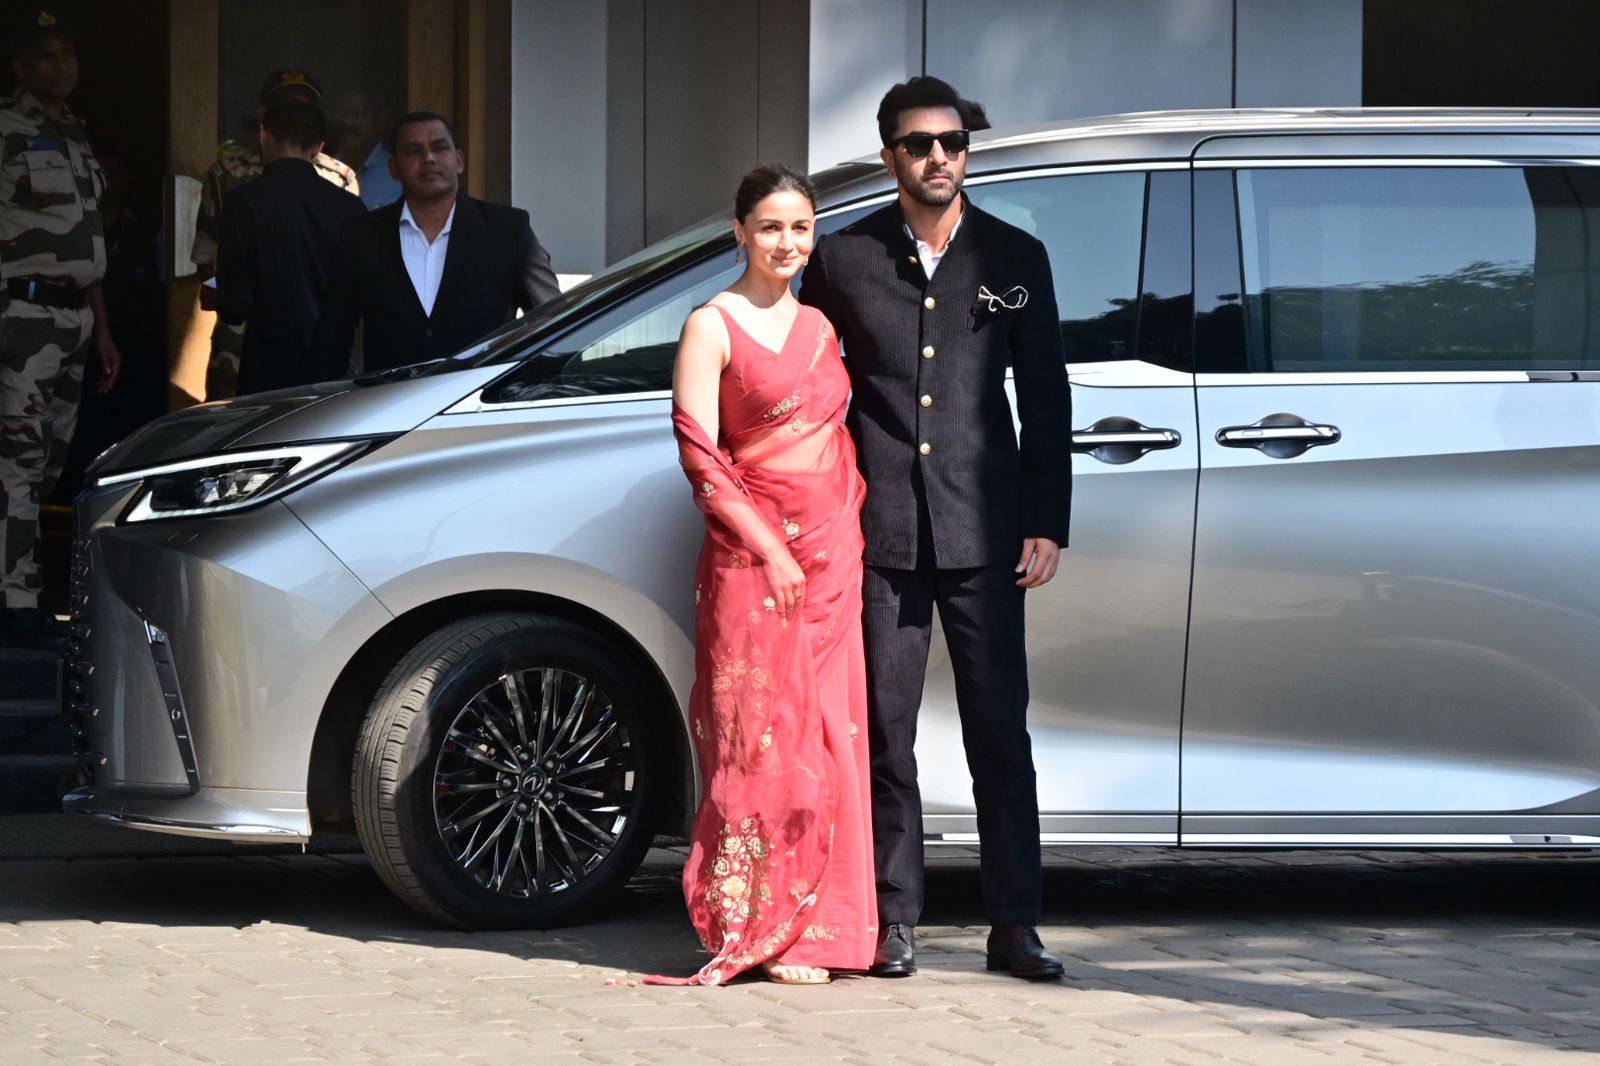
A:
506	773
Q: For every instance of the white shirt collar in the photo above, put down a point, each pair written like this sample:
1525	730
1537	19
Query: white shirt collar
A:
406	219
930	261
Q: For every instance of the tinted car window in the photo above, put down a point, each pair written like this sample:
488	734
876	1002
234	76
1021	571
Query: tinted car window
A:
630	349
1424	268
1093	226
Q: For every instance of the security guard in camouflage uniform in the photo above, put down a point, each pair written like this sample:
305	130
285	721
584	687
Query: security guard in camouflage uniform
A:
235	166
52	257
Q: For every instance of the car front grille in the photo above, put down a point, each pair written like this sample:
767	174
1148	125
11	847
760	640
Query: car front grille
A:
75	703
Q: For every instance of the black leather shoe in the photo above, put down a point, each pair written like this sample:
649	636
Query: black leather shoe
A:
1020	950
897	953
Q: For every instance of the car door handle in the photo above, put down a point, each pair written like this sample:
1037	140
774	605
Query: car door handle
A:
1118	440
1280	436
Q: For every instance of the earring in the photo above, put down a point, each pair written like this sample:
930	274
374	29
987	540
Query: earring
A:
738	254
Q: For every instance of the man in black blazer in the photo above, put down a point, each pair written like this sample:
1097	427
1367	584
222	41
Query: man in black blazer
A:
436	270
934	301
280	234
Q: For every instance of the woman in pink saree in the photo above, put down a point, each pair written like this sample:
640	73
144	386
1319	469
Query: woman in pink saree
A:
780	870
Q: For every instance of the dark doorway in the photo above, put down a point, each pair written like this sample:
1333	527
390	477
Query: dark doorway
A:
1480	53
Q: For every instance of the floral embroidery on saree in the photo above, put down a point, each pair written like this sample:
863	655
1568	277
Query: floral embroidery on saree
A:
782	407
771	703
738	875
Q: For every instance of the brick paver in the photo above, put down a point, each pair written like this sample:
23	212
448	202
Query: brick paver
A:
1195	959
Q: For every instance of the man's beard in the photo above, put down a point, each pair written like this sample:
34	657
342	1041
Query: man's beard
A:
927	195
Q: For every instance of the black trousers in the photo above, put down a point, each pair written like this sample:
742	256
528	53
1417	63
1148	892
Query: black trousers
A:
981	610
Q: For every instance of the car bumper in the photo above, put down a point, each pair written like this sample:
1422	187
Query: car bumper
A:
202	655
246	817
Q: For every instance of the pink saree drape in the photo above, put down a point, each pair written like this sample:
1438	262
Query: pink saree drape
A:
780	863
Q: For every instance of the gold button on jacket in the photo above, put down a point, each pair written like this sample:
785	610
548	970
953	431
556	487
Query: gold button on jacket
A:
926	449
930	303
926	401
927	353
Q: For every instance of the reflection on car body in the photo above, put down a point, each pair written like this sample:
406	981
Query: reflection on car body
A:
1329	581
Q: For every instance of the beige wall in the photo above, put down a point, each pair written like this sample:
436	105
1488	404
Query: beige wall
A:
482	110
724	91
192	148
633	119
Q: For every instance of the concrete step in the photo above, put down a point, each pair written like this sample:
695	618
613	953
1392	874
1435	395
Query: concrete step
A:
28	674
29	708
40	734
32	784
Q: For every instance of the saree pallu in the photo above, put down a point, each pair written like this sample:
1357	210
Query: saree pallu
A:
780	863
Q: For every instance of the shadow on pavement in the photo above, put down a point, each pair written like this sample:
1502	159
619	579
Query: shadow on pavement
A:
1501	944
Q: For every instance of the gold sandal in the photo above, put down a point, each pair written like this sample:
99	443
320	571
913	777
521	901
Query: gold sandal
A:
769	970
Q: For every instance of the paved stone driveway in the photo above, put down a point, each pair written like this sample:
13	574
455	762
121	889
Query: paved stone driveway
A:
1197	959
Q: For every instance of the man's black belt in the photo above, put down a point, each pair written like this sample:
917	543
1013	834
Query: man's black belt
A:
46	293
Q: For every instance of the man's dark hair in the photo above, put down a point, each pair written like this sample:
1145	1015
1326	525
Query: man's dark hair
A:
765	180
976	117
295	122
411	117
924	90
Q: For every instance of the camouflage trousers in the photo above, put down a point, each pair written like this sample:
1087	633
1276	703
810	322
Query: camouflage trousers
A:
222	372
42	352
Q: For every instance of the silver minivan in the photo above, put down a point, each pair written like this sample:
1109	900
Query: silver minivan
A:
1337	388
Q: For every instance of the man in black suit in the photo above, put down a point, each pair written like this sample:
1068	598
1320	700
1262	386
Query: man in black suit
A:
934	300
436	270
279	237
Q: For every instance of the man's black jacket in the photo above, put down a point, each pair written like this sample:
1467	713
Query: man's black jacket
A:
280	235
493	267
927	362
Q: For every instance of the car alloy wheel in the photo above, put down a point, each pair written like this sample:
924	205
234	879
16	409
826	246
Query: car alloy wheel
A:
506	772
534	782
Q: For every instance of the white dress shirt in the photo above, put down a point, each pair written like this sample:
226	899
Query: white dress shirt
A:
424	260
930	262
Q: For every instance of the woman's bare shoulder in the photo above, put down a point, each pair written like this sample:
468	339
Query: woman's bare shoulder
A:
705	332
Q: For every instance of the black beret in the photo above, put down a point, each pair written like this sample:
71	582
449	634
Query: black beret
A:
35	26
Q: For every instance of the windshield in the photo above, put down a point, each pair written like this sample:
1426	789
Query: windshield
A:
684	248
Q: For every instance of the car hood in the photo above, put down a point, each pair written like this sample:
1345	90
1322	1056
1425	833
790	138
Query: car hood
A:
378	405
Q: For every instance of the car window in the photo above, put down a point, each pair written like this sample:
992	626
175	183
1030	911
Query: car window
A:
1420	268
1093	228
631	348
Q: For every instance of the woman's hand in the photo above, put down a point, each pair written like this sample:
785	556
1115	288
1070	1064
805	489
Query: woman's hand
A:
786	580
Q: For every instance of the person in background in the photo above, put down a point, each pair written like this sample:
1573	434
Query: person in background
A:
436	270
135	299
237	165
279	237
52	257
358	129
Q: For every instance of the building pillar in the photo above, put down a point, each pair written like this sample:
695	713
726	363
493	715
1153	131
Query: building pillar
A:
191	149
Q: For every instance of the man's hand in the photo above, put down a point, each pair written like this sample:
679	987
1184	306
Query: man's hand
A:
110	361
104	346
1040	557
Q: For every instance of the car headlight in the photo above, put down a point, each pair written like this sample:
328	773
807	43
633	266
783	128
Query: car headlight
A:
231	481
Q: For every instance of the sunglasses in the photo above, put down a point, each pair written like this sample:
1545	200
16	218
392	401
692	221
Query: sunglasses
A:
917	145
